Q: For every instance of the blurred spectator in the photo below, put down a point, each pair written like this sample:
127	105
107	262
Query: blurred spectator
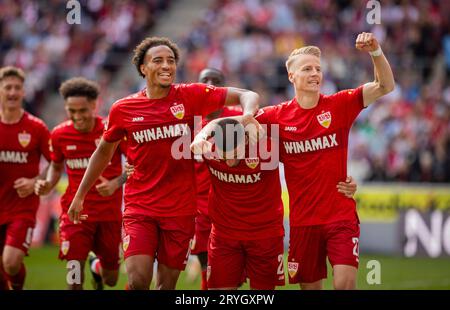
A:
36	37
404	138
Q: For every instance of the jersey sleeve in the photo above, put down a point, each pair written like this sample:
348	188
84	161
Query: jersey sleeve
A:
44	144
205	98
352	102
267	115
56	153
115	130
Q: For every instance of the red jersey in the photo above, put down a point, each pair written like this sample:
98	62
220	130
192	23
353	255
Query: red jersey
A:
313	148
21	147
75	148
245	201
161	185
201	170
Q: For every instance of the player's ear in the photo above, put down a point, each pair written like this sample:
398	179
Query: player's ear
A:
141	67
291	77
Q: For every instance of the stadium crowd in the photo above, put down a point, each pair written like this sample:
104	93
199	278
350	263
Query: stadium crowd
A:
407	138
36	36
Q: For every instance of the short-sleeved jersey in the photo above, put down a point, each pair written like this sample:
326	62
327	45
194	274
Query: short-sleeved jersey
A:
163	183
201	170
74	148
245	200
21	147
313	148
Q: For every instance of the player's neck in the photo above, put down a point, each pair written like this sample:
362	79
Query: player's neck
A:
11	116
156	91
307	100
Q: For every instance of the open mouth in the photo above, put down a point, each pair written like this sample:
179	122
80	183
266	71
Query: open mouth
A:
313	83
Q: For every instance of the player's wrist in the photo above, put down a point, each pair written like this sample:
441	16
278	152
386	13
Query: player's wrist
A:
376	52
202	136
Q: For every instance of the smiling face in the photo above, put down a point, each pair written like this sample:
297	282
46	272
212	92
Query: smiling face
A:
12	92
159	66
81	111
306	74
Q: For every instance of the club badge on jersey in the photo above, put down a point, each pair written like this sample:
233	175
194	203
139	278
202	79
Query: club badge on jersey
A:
324	119
24	139
177	110
252	163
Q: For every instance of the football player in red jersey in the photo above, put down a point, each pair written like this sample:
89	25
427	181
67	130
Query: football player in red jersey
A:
24	138
209	76
245	208
160	204
313	134
72	144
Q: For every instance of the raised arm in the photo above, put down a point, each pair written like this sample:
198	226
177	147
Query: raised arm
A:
384	79
98	162
249	100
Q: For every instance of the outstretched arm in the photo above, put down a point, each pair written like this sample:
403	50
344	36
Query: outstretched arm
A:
384	79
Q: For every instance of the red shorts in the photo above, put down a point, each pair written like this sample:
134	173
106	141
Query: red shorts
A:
103	238
201	237
17	233
165	238
309	247
231	261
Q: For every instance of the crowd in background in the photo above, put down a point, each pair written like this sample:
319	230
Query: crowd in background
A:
36	36
404	137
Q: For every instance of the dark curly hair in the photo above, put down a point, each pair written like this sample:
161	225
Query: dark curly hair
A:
79	87
9	71
142	48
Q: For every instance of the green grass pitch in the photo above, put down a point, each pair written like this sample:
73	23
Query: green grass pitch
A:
46	272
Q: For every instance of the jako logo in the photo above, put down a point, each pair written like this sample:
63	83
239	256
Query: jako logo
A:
290	128
138	119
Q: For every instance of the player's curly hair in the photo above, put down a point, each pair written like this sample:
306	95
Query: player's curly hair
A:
9	71
305	50
142	48
79	87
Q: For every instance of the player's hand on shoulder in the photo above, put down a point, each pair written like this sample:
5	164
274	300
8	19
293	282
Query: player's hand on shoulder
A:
366	42
252	127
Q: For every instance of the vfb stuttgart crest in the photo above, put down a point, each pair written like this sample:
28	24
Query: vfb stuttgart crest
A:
324	119
252	162
24	139
178	111
292	268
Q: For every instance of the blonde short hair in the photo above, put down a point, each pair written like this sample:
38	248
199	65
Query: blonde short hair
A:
9	71
305	50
